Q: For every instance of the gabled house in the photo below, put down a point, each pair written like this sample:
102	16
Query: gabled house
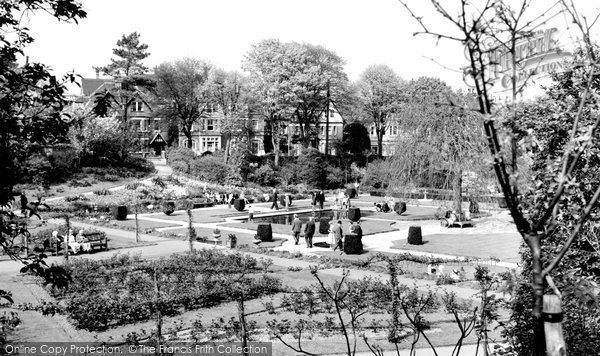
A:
139	114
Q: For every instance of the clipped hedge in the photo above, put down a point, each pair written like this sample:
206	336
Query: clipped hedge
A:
415	236
119	212
264	232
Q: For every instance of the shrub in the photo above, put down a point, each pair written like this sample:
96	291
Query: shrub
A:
351	192
313	170
264	232
444	279
119	212
265	176
169	207
239	204
353	244
324	226
209	168
400	207
354	214
102	192
414	235
133	185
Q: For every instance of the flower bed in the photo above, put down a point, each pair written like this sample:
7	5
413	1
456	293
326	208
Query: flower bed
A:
122	290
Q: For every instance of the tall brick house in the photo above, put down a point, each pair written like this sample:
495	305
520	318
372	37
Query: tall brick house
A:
140	114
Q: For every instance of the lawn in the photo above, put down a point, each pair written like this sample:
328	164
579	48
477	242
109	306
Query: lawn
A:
502	246
369	227
242	238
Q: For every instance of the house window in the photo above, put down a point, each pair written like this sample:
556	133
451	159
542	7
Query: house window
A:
137	106
393	130
211	108
372	130
194	145
322	130
334	130
255	124
210	124
211	144
143	125
331	113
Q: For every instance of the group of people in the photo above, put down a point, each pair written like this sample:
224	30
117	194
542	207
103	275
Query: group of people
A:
335	235
309	230
287	201
77	243
317	199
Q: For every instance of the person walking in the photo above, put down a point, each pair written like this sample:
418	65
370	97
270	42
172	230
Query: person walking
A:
321	199
296	228
313	199
309	231
275	197
339	235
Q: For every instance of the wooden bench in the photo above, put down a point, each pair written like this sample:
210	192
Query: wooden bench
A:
97	240
209	240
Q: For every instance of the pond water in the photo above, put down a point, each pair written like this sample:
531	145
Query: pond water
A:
286	219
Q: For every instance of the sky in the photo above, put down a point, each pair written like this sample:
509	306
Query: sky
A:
363	32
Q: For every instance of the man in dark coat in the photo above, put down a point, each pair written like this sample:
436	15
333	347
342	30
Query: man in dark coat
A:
339	236
309	231
275	197
321	199
296	228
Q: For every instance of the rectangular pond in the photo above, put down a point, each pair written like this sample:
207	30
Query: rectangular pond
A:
286	219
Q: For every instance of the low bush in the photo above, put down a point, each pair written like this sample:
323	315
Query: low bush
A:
102	192
119	290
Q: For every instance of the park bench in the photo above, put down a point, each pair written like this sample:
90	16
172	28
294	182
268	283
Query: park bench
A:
97	240
457	221
209	240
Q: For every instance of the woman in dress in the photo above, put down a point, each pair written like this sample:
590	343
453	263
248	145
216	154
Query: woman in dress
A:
331	236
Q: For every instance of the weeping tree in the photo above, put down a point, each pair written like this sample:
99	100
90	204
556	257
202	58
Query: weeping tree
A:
438	137
560	204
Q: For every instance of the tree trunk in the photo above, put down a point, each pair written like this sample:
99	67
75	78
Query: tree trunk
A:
539	339
380	132
275	141
227	147
243	326
457	191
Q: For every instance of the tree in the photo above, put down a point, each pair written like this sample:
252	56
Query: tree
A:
229	92
356	141
316	77
183	92
129	75
380	95
294	82
438	136
561	191
265	65
130	53
31	113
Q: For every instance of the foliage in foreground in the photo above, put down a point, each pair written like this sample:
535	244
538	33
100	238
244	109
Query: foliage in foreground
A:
124	289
